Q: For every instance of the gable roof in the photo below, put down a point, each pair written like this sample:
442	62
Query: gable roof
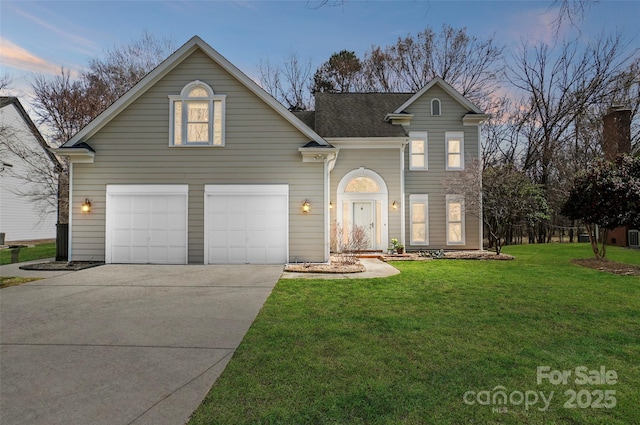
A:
447	88
357	114
11	100
169	64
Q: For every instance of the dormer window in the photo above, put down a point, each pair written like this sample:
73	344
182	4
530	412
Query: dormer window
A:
197	116
435	107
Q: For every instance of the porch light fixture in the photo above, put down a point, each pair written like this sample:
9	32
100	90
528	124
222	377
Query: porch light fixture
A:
86	206
330	205
394	205
306	207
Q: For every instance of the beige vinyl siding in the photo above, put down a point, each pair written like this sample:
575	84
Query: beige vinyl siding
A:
430	182
261	147
385	162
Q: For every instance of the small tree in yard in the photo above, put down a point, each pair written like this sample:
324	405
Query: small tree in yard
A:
508	199
606	195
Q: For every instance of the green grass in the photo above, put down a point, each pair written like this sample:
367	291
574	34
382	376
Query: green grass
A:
5	282
37	252
405	349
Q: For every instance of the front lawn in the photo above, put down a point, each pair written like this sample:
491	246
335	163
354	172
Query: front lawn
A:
37	252
438	343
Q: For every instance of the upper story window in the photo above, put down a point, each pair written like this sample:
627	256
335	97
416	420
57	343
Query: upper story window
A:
197	116
455	150
418	151
435	107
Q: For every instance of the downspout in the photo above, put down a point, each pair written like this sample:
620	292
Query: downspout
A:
481	164
329	163
70	220
402	196
327	214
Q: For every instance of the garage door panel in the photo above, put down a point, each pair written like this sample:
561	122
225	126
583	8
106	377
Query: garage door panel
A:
139	220
177	238
256	255
140	203
246	224
159	239
237	220
139	237
139	254
146	225
160	221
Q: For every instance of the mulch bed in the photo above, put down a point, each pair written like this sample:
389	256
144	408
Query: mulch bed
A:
477	255
450	255
324	268
61	266
336	267
609	266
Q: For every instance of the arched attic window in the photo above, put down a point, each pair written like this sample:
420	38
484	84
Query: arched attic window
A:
197	116
435	107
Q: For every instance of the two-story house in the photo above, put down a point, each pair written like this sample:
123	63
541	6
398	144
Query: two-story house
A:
28	175
198	164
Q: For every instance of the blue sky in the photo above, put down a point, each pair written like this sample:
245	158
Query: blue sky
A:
42	36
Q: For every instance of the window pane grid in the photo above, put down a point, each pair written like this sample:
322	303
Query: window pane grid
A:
197	116
419	218
455	220
418	152
455	147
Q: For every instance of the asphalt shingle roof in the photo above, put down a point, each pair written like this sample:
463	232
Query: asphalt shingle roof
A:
356	114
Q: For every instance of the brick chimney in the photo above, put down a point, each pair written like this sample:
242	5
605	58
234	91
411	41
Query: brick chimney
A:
616	141
616	132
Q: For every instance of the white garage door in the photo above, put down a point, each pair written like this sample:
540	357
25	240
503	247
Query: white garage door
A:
246	224
146	224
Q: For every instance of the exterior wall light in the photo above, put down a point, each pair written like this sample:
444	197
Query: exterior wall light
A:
394	205
86	206
330	205
306	207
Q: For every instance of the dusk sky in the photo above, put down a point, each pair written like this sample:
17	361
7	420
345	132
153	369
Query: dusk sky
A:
42	36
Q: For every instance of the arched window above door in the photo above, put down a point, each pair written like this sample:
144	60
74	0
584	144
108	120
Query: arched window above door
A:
362	184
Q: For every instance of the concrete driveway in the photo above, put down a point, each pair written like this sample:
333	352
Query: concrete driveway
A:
123	344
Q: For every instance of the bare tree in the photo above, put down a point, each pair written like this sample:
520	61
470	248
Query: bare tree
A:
571	11
469	64
111	76
559	87
5	82
288	83
62	105
566	88
65	104
347	243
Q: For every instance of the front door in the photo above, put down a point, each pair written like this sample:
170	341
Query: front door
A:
363	218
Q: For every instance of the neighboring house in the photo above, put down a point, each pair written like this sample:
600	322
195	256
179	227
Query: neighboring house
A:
198	164
28	168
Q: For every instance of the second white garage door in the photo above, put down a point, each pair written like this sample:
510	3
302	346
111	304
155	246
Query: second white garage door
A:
246	224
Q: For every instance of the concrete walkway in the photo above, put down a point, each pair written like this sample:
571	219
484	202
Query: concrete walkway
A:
14	270
122	345
374	268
